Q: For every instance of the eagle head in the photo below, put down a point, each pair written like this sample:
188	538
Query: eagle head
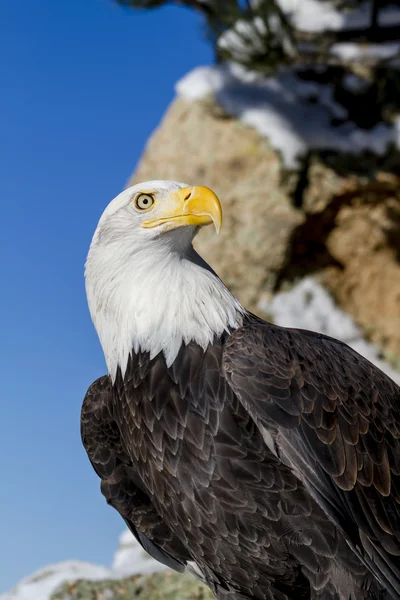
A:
147	288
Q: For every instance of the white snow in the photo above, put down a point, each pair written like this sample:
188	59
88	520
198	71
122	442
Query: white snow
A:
314	15
129	559
248	38
244	39
309	306
293	114
41	584
359	52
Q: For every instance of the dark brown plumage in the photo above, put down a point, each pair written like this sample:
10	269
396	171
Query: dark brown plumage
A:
271	460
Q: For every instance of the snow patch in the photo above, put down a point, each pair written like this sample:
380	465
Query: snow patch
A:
347	51
130	557
199	83
41	584
294	115
248	38
309	306
314	15
244	38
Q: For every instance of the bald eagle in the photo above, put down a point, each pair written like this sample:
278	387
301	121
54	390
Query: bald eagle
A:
264	459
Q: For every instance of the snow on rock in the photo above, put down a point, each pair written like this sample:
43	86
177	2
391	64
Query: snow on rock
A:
244	39
248	38
314	16
129	559
308	306
295	115
41	584
347	51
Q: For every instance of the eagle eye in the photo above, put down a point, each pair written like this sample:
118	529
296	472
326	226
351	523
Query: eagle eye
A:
144	201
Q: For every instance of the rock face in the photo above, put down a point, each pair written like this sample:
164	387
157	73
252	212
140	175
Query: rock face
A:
351	238
336	219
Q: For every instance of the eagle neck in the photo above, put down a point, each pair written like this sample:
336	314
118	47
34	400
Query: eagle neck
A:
156	302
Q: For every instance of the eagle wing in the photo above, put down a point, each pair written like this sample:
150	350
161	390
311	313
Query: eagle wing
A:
119	482
335	419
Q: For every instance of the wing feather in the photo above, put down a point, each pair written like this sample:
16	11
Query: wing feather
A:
120	484
335	419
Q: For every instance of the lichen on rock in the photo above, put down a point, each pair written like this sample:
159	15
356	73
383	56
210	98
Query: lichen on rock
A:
157	586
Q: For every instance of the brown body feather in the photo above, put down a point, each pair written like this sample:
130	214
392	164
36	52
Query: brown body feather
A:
271	460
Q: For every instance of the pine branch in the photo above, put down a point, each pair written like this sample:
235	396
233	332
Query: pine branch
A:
370	35
275	42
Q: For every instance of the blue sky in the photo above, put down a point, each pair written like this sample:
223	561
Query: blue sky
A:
83	85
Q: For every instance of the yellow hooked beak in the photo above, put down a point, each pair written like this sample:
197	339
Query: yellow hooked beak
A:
196	206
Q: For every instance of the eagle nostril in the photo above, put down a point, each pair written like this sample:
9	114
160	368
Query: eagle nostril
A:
188	196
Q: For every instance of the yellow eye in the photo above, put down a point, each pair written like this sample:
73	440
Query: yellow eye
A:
143	201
